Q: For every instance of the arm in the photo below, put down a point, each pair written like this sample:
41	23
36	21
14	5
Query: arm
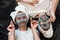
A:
33	27
54	6
11	36
11	29
35	34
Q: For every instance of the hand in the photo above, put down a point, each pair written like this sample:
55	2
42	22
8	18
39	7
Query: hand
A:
11	27
52	18
34	24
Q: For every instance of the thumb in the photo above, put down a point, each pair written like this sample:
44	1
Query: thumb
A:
31	20
11	23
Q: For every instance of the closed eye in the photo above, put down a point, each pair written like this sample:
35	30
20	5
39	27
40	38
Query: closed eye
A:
18	18
24	17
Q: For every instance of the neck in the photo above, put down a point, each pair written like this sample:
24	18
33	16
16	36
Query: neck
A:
23	28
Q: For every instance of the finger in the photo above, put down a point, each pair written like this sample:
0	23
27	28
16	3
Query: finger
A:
34	22
31	19
52	20
11	23
49	20
11	27
8	29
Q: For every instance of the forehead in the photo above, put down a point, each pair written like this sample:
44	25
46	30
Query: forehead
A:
20	14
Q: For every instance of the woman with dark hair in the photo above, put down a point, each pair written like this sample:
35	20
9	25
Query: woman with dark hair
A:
6	7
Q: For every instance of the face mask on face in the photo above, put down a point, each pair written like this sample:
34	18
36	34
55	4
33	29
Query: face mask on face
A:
21	17
43	22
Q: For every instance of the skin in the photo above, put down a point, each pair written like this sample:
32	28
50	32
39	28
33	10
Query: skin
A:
54	6
29	1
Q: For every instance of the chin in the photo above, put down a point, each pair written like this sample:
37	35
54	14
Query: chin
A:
23	24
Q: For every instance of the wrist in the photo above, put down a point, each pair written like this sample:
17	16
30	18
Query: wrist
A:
33	29
52	13
11	32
